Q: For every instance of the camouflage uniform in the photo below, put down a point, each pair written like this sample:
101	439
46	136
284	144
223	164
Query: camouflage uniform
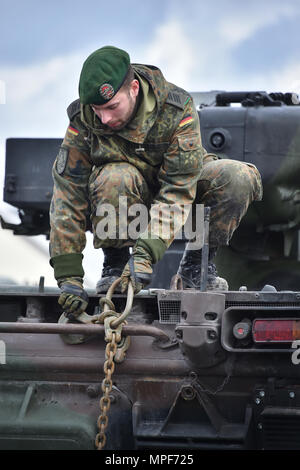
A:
157	158
227	187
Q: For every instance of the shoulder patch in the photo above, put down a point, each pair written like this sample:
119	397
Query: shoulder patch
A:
73	131
73	109
176	99
61	160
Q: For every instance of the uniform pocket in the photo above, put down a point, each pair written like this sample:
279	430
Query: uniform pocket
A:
190	153
188	142
186	157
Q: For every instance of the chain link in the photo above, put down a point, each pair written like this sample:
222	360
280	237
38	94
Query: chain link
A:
109	367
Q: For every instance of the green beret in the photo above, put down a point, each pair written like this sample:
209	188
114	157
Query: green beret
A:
102	75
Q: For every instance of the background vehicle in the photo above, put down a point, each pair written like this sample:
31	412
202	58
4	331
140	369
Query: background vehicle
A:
203	370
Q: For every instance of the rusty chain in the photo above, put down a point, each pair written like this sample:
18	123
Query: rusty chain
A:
106	387
113	335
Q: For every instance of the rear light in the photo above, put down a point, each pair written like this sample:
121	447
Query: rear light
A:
275	330
242	330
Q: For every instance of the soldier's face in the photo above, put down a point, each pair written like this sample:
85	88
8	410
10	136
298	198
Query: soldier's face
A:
118	111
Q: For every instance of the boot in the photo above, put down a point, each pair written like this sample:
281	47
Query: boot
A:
114	262
190	271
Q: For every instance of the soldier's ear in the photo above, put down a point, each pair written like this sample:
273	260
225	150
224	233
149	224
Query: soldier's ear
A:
134	87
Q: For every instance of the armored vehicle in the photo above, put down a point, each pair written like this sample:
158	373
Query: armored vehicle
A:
168	369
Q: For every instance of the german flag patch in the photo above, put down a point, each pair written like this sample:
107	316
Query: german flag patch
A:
186	120
73	131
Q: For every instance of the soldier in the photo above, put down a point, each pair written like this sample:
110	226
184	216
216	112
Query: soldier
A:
134	135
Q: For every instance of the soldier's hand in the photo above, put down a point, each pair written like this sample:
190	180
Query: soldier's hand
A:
73	298
138	270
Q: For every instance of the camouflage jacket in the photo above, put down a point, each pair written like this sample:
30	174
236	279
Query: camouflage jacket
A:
164	144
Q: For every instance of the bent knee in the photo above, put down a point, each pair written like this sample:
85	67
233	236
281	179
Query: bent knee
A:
114	180
118	173
234	176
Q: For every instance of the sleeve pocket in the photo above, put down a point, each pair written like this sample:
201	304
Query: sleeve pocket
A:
189	142
186	156
190	153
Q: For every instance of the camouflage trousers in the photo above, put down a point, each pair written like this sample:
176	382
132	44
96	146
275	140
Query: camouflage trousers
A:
228	187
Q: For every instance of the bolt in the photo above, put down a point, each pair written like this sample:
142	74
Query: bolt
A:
262	393
188	393
292	394
259	426
257	401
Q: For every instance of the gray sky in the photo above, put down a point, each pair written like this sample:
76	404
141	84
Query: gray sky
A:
199	45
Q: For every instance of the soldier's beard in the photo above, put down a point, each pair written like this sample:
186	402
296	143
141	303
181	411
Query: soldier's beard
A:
131	111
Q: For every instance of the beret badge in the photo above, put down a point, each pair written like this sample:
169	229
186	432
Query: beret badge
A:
106	91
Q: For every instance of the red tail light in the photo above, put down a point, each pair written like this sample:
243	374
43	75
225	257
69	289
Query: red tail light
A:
275	330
